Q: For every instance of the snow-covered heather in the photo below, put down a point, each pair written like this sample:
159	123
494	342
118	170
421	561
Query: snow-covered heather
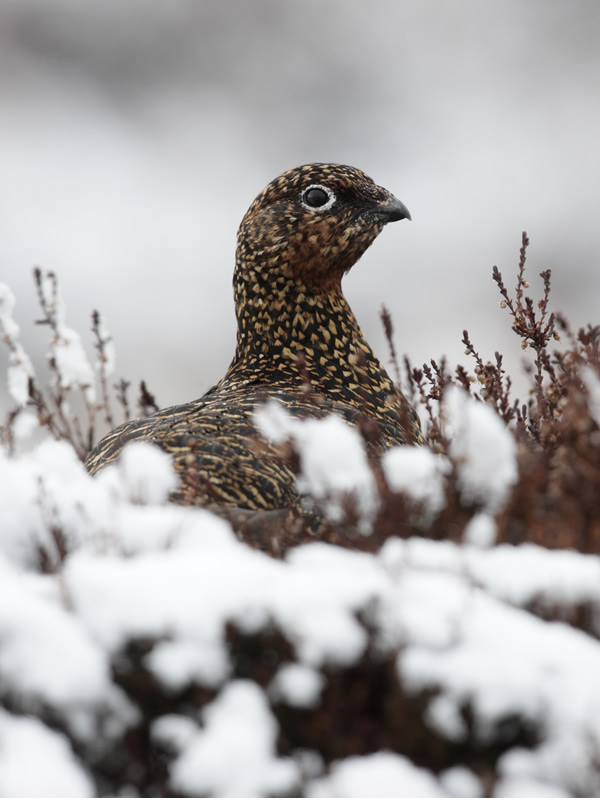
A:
126	637
73	369
71	372
105	364
20	368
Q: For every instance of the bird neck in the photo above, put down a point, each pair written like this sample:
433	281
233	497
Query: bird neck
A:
288	334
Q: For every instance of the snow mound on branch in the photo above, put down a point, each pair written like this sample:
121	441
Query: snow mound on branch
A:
333	459
233	755
379	775
483	448
419	473
38	762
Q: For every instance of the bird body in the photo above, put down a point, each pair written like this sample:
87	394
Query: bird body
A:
297	342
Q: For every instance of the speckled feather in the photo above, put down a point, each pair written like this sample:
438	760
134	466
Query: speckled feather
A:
297	341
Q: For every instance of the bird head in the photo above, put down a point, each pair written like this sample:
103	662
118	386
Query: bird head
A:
311	224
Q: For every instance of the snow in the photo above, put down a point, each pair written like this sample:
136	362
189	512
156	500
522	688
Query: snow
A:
20	368
510	787
36	632
147	473
323	592
461	782
379	775
7	306
73	367
38	762
332	457
177	664
482	446
529	574
24	426
174	730
523	576
505	662
333	461
66	348
48	486
462	624
193	588
234	754
70	367
480	530
419	473
298	685
443	715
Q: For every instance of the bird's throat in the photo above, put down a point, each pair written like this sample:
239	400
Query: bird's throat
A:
290	336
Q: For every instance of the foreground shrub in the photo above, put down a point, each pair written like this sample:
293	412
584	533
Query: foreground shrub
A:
440	639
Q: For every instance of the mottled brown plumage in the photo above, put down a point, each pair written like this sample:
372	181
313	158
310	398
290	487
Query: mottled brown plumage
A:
297	341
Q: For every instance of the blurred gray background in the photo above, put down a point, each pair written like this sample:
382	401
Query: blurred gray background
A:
135	134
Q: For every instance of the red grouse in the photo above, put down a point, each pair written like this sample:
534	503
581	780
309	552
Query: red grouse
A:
295	330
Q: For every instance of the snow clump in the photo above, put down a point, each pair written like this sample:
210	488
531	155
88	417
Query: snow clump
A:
483	448
332	457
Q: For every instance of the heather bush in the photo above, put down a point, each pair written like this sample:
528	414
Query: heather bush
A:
406	644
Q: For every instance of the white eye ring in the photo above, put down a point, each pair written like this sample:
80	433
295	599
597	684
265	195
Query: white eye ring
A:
331	198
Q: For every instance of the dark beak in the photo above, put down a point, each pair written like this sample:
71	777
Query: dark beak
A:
392	211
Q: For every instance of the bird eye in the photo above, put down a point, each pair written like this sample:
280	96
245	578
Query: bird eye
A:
316	196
